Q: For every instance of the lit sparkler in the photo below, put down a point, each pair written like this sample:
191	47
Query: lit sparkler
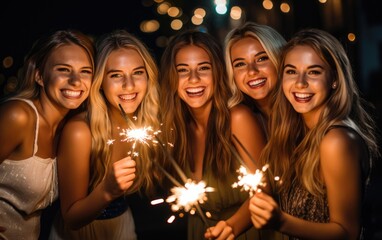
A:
187	196
251	182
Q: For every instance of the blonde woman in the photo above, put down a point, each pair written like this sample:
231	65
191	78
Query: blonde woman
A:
252	56
322	142
56	79
95	176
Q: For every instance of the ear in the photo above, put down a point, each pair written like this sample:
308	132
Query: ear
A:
38	79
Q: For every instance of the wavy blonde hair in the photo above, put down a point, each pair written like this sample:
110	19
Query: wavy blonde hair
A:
270	40
176	114
146	113
293	149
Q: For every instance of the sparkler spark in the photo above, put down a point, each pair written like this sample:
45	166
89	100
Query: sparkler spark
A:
139	135
251	182
188	196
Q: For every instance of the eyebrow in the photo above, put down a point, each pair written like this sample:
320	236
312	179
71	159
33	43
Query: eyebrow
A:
257	54
116	70
313	66
185	65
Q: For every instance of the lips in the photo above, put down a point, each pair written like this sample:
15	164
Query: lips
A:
303	97
71	93
257	83
128	97
192	92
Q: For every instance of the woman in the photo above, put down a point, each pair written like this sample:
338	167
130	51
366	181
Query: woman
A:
252	56
325	142
196	119
57	75
95	168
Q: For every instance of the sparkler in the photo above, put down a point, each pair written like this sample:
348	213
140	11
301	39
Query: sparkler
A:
187	196
250	182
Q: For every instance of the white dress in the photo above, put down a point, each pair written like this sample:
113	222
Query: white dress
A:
26	187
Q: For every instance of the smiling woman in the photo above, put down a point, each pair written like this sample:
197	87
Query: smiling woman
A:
57	77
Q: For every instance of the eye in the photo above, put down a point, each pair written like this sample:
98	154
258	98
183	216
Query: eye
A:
263	58
239	64
87	71
140	72
314	72
115	75
289	71
63	69
205	67
181	70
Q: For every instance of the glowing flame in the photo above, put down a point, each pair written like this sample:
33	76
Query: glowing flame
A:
251	182
189	195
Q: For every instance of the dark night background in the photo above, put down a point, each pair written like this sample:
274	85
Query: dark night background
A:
22	22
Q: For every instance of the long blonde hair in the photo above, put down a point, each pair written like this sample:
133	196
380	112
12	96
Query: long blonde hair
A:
293	149
100	124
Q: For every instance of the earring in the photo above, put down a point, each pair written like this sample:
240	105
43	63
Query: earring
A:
334	85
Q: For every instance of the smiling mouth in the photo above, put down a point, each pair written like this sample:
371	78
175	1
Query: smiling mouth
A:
128	97
257	83
72	93
195	92
303	97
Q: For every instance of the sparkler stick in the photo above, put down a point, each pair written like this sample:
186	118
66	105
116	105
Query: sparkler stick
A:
189	185
242	146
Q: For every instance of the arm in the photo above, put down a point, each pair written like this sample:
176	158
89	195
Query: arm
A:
17	128
340	154
248	130
77	205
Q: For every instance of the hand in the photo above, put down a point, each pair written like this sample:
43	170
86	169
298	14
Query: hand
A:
120	177
264	210
220	231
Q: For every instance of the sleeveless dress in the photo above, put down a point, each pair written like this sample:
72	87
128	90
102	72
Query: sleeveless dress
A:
222	203
298	202
26	187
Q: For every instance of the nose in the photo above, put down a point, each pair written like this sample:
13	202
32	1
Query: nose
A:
128	83
252	68
194	76
301	81
75	79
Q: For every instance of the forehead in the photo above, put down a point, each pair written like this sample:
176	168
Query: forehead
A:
303	53
124	56
191	53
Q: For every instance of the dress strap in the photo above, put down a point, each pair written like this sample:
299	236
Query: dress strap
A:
30	103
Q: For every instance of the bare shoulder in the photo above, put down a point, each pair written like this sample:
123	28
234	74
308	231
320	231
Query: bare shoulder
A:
16	114
76	128
241	113
341	146
340	138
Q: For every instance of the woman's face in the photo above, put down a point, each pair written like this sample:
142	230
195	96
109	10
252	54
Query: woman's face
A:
306	82
253	71
67	76
125	79
195	78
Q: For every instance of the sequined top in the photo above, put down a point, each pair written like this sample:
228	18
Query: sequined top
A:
26	187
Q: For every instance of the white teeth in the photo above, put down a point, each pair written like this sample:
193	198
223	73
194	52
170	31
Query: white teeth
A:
303	95
128	96
256	82
194	90
71	93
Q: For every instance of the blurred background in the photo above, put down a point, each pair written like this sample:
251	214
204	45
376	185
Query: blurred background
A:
356	23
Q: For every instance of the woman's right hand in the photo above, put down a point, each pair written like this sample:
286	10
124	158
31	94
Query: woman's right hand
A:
120	177
265	212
